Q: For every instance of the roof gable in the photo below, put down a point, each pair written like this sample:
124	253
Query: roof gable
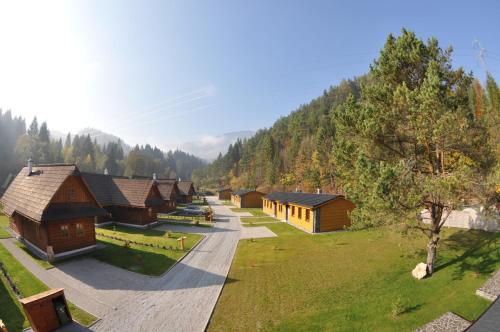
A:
31	194
243	192
168	189
186	187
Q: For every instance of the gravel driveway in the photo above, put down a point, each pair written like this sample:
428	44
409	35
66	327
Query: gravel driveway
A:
184	298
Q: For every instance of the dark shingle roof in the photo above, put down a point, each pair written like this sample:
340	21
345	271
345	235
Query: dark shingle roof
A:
72	210
304	199
110	190
186	187
168	189
31	195
243	192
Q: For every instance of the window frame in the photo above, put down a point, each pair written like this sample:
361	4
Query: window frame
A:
80	230
64	230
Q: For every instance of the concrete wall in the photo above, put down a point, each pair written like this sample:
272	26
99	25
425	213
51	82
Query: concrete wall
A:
469	218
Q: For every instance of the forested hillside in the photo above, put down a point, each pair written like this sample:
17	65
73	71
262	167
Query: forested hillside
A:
18	144
297	152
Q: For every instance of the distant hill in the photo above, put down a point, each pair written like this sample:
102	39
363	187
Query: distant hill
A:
103	138
209	147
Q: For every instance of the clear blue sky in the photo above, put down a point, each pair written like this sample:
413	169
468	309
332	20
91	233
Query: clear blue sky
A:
165	72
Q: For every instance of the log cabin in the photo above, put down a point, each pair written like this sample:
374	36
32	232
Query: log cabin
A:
169	192
133	202
313	213
224	194
187	191
52	210
245	198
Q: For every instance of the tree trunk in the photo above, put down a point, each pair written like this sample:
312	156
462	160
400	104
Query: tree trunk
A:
436	211
431	254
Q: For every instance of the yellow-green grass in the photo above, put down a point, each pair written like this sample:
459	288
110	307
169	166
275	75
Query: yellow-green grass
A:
143	259
43	263
350	281
256	212
226	202
4	223
10	309
257	220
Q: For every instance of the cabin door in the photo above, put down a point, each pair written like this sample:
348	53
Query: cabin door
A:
275	208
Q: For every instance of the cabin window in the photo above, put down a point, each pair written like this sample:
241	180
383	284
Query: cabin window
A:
293	211
71	194
65	230
307	215
79	230
300	213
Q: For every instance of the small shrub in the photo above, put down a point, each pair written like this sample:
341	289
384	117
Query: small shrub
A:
398	307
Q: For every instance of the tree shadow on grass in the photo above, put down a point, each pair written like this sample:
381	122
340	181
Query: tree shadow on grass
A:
480	252
10	312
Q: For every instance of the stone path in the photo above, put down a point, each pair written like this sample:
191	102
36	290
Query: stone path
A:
184	298
449	322
256	232
491	288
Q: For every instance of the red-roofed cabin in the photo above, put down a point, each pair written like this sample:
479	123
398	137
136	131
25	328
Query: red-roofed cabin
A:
52	210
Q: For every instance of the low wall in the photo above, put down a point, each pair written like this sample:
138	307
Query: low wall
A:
469	218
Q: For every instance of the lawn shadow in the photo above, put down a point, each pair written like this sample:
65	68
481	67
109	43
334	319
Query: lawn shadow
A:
413	308
10	313
481	255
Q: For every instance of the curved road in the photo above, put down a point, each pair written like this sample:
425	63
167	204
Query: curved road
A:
184	298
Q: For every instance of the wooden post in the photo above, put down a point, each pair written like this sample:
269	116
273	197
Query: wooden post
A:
3	328
181	239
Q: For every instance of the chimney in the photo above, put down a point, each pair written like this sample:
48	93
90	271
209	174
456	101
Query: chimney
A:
319	191
154	176
30	166
179	178
106	171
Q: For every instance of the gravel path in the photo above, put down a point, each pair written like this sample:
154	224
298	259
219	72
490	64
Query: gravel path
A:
184	298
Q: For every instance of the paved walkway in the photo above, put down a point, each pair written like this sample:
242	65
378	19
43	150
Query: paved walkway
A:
76	295
184	298
256	232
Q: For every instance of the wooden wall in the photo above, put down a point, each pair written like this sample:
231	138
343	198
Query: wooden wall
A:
267	207
334	215
293	217
281	211
35	233
74	241
224	195
72	190
252	200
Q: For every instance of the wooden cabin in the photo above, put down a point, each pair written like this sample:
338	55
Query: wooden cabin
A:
224	194
134	202
186	189
52	210
245	198
313	213
169	192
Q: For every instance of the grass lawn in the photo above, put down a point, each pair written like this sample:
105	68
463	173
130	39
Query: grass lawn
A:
43	263
188	223
146	260
256	212
257	220
225	202
350	281
11	311
4	222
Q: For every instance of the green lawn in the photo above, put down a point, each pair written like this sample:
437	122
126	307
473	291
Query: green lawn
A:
10	309
350	281
43	263
146	260
257	220
4	222
256	212
225	202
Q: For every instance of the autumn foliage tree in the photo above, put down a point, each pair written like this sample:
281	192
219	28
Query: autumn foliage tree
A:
411	143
